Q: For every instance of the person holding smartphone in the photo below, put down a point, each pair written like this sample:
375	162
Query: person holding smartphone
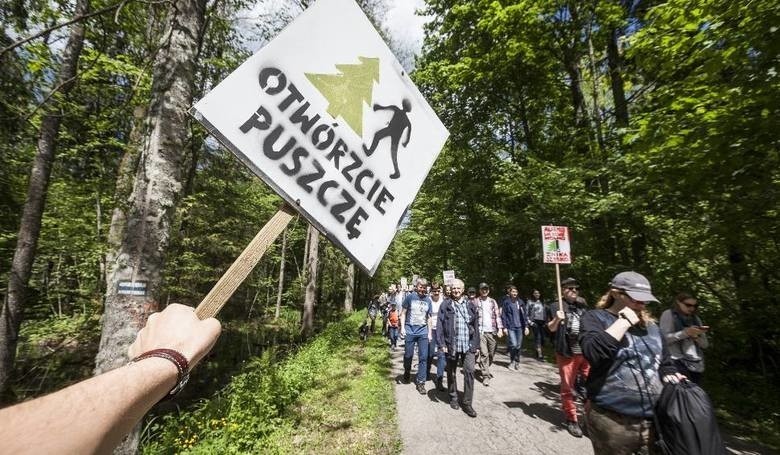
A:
685	336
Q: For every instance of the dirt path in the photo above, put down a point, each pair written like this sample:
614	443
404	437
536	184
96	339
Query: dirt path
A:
518	413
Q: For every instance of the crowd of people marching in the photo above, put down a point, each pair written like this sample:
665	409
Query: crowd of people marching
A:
614	355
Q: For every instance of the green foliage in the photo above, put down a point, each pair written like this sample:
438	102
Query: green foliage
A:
271	398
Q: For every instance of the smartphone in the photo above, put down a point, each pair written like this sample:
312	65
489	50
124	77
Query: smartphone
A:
704	327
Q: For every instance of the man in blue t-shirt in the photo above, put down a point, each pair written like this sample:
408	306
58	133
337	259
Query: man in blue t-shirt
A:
416	328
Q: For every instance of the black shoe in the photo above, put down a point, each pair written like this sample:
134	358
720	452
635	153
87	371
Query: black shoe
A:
407	377
439	384
574	429
469	411
421	388
454	405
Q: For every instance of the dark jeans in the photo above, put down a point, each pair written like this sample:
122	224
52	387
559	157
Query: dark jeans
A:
468	376
440	357
422	354
538	329
515	343
393	335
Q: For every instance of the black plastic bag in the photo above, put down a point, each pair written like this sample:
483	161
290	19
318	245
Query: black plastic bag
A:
685	420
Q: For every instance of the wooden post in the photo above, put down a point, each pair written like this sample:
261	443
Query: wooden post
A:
243	265
558	281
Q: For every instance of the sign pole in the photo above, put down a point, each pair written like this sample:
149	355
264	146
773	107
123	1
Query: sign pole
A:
243	265
558	281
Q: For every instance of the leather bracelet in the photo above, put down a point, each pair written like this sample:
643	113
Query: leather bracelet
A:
175	357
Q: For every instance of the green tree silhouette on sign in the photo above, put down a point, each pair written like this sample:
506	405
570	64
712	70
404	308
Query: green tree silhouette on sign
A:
346	92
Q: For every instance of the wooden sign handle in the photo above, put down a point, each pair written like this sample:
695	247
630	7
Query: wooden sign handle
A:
243	265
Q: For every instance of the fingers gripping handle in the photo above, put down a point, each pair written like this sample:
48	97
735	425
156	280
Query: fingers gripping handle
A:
243	265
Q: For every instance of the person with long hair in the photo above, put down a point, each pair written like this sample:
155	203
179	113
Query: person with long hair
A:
629	361
685	335
535	310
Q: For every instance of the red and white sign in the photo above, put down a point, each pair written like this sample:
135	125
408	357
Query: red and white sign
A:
556	246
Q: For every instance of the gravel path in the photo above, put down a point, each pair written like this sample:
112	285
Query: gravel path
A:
518	413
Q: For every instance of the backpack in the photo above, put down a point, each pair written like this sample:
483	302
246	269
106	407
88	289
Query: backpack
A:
685	421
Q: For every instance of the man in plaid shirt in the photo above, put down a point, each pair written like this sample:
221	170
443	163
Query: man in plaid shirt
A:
457	336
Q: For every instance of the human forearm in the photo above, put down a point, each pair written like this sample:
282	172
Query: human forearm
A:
93	415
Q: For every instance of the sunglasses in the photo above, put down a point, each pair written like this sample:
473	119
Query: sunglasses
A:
572	289
691	305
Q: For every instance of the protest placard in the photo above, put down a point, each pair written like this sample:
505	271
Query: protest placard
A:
327	117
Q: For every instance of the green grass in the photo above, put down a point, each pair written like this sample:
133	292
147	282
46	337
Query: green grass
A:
331	396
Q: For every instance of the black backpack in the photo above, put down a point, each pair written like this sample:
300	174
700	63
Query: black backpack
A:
685	420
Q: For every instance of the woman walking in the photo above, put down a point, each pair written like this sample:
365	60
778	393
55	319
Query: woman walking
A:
629	361
686	336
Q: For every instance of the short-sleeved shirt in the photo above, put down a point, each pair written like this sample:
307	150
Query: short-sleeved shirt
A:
418	310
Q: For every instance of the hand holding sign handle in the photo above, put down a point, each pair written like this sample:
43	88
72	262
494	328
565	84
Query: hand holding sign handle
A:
243	265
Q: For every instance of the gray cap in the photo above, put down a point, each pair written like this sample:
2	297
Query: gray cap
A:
484	286
635	285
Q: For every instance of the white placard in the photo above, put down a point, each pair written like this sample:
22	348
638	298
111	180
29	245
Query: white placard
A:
326	116
449	276
556	245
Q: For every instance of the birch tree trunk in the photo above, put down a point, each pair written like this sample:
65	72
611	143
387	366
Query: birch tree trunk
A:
312	261
350	290
140	229
30	227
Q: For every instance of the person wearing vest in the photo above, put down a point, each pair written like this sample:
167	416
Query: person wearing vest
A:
457	333
629	362
490	329
564	324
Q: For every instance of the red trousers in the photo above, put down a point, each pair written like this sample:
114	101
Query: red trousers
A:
569	368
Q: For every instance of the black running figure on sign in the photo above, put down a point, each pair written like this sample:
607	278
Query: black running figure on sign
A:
395	129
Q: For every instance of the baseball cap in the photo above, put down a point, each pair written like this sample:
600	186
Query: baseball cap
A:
569	283
471	289
635	285
484	286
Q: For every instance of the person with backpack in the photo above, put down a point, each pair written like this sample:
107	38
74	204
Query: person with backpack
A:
628	363
686	336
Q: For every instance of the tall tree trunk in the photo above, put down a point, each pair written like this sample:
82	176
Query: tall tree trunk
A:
281	276
312	261
616	79
30	227
142	232
350	288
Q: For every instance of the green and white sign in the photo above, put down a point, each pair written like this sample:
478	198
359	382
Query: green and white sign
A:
326	116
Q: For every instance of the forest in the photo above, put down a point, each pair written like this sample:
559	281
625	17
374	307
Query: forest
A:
649	128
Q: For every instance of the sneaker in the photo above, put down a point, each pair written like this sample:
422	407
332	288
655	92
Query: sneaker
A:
574	429
517	366
421	388
485	382
407	377
439	384
469	410
454	405
512	365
